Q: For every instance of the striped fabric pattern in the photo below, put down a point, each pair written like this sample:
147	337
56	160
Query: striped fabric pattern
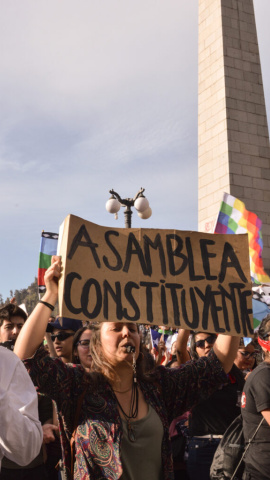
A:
48	247
234	218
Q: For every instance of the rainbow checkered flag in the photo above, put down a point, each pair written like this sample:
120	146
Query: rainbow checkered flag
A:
48	247
234	218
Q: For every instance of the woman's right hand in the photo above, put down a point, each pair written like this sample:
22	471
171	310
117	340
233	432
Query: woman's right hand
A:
33	331
52	275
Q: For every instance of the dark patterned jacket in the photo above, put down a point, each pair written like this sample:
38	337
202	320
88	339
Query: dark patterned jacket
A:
98	435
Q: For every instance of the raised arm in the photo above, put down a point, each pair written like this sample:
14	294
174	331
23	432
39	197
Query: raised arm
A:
225	349
32	333
181	346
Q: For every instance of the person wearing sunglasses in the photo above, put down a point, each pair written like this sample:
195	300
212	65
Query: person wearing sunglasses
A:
211	417
81	347
246	357
201	344
62	333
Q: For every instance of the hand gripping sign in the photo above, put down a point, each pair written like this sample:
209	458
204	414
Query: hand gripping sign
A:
182	279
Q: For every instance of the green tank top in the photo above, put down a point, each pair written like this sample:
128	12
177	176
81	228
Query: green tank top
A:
141	459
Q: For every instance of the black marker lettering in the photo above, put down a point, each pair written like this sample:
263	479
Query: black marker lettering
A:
245	312
128	294
214	311
173	289
116	296
132	241
86	298
205	257
119	262
229	253
156	244
67	293
193	325
224	295
78	242
164	305
206	299
192	276
149	299
175	253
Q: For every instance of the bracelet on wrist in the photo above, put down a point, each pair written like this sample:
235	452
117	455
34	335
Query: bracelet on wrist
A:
51	307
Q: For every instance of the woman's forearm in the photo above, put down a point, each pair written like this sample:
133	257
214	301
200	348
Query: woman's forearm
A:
181	346
226	349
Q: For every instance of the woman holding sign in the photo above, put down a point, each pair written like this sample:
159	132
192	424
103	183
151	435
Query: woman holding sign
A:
119	417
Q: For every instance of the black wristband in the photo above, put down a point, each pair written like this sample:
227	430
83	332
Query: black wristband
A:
51	307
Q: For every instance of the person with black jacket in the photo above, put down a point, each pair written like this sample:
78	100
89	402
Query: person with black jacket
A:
255	404
211	417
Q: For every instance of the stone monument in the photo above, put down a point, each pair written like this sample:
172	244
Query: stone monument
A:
234	152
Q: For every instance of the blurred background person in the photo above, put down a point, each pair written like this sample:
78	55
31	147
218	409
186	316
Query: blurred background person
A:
62	331
246	357
20	429
255	406
210	418
81	347
12	319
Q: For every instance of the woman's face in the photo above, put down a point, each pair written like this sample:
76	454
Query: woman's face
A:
82	349
204	342
245	357
63	347
115	336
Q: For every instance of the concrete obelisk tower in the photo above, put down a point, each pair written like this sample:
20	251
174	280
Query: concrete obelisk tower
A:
234	152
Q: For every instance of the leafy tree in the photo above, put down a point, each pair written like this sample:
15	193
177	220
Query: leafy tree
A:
28	296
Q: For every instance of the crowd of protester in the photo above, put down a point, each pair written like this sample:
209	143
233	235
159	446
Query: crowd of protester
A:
110	405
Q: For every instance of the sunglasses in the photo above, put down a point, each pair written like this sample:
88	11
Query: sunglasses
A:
61	336
247	354
84	343
210	340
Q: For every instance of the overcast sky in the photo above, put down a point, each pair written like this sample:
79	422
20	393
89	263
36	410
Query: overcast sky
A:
97	95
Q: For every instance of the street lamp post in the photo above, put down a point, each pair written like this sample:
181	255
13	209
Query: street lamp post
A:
140	202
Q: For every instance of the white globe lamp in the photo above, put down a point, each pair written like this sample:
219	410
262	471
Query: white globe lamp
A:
146	213
112	205
141	204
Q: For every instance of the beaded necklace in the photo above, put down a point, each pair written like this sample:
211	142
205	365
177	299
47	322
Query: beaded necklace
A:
134	401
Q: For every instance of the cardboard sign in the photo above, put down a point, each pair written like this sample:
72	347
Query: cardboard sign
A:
187	280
